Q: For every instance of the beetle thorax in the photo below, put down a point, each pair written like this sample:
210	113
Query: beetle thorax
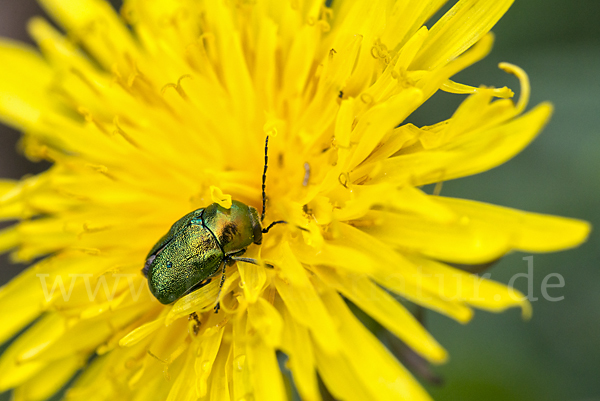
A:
235	228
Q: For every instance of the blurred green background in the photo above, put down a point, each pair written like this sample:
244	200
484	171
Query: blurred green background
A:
556	355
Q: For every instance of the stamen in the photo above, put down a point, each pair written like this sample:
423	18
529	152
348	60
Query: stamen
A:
88	251
177	87
324	25
219	197
326	13
67	194
455	87
97	167
119	131
89	229
523	80
375	52
366	98
343	179
87	115
85	80
101	169
363	223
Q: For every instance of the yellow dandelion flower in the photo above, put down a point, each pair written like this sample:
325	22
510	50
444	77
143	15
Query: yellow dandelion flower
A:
164	109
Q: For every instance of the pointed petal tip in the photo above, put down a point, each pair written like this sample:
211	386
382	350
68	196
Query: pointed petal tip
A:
579	231
526	310
440	357
547	107
464	316
560	234
540	114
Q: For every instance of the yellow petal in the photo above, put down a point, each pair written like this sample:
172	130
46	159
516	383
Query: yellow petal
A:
6	186
142	332
460	241
406	18
49	380
361	20
266	375
21	301
267	322
467	155
431	81
252	280
421	294
161	26
23	85
219	385
204	361
182	390
266	63
62	53
462	26
236	76
298	65
217	196
86	386
380	373
9	238
202	299
297	344
407	199
13	371
337	67
359	252
386	310
340	378
529	232
241	376
80	337
475	290
96	25
377	122
304	303
455	87
480	234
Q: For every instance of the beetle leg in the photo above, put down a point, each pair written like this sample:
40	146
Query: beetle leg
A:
218	305
249	260
229	256
227	261
222	279
196	325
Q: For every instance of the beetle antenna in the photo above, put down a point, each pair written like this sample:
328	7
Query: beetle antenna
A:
264	180
264	194
266	230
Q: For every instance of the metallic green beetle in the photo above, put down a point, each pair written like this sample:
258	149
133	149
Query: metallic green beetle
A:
200	244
